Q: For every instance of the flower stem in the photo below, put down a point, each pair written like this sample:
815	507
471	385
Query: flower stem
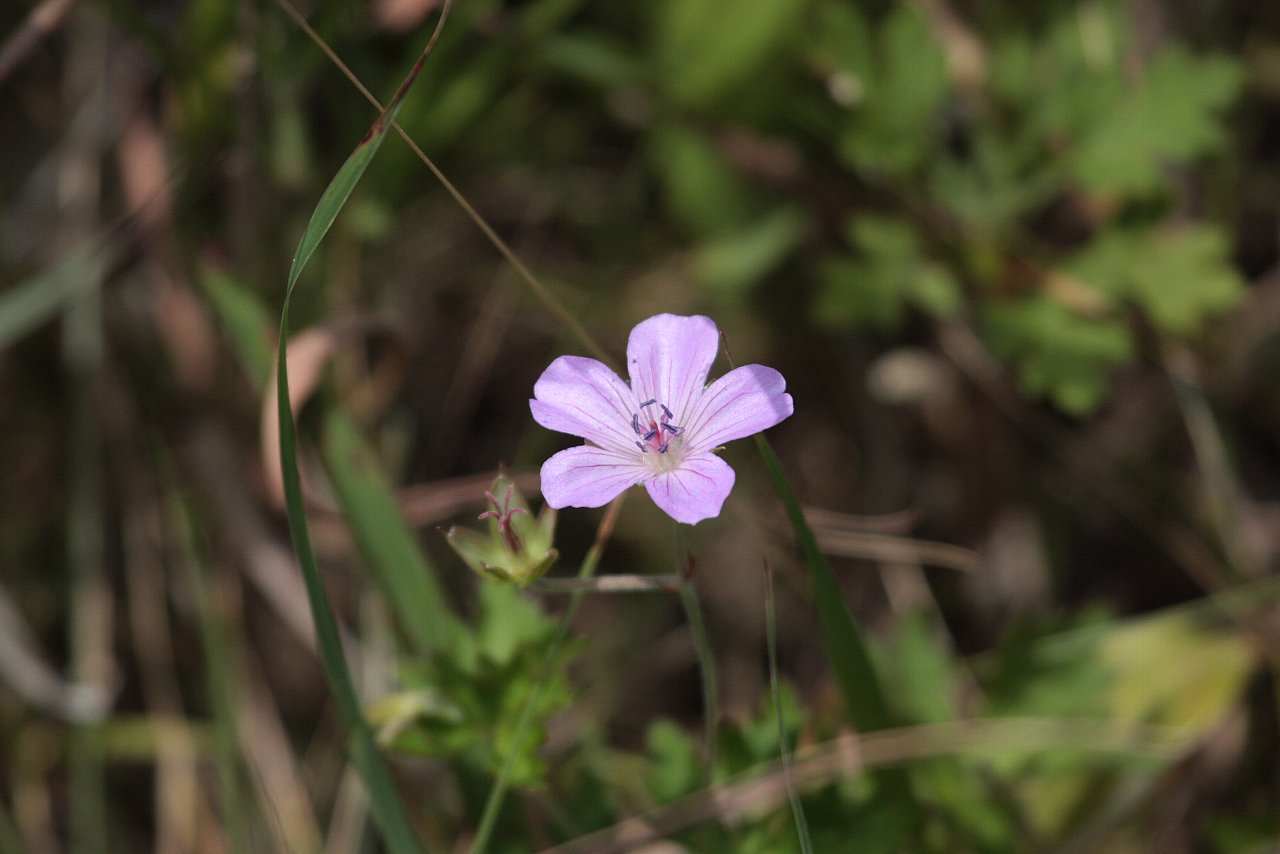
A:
701	646
489	818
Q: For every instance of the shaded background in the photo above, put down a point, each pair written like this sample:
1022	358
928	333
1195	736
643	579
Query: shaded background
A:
1017	262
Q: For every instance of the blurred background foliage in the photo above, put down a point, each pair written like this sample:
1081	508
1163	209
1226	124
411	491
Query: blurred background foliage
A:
1016	260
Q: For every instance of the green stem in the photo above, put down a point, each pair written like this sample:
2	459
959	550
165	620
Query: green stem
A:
784	752
702	647
489	818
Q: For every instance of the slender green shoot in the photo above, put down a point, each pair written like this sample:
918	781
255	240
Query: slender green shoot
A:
493	805
784	751
220	656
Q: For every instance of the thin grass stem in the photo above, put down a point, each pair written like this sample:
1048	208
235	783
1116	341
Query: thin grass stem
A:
539	290
784	751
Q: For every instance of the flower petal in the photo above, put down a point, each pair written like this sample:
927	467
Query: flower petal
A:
582	397
588	477
694	491
742	402
668	357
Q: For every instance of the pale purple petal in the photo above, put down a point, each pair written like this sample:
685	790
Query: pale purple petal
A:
588	477
582	397
668	357
695	490
742	402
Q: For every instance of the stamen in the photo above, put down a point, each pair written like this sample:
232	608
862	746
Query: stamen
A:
648	403
643	448
663	448
675	431
651	434
666	412
635	422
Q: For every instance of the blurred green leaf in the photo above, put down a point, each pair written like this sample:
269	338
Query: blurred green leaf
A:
925	686
1179	276
1213	663
704	193
704	50
27	305
389	548
1171	117
593	59
893	126
674	767
1182	277
244	317
741	258
888	274
1057	352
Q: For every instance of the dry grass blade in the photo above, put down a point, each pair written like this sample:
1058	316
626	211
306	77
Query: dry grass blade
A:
821	764
886	548
40	23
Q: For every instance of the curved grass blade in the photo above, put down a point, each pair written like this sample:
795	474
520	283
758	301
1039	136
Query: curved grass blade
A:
384	801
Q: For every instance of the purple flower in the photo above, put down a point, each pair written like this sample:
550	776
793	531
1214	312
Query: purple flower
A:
662	429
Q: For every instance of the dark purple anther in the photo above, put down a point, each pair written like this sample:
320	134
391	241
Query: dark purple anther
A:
651	434
666	412
635	423
642	448
675	431
648	403
663	449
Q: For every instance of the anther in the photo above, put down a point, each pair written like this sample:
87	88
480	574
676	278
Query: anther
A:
663	448
648	403
643	449
651	434
674	430
666	412
635	423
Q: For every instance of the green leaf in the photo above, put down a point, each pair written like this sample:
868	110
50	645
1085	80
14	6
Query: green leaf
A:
1179	276
741	258
1057	352
709	48
889	274
704	193
924	686
893	127
1171	117
1183	277
674	768
1213	664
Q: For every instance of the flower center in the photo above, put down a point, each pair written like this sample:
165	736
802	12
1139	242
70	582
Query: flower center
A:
653	427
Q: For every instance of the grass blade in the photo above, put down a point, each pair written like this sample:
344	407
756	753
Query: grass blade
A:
855	673
384	801
26	306
388	545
